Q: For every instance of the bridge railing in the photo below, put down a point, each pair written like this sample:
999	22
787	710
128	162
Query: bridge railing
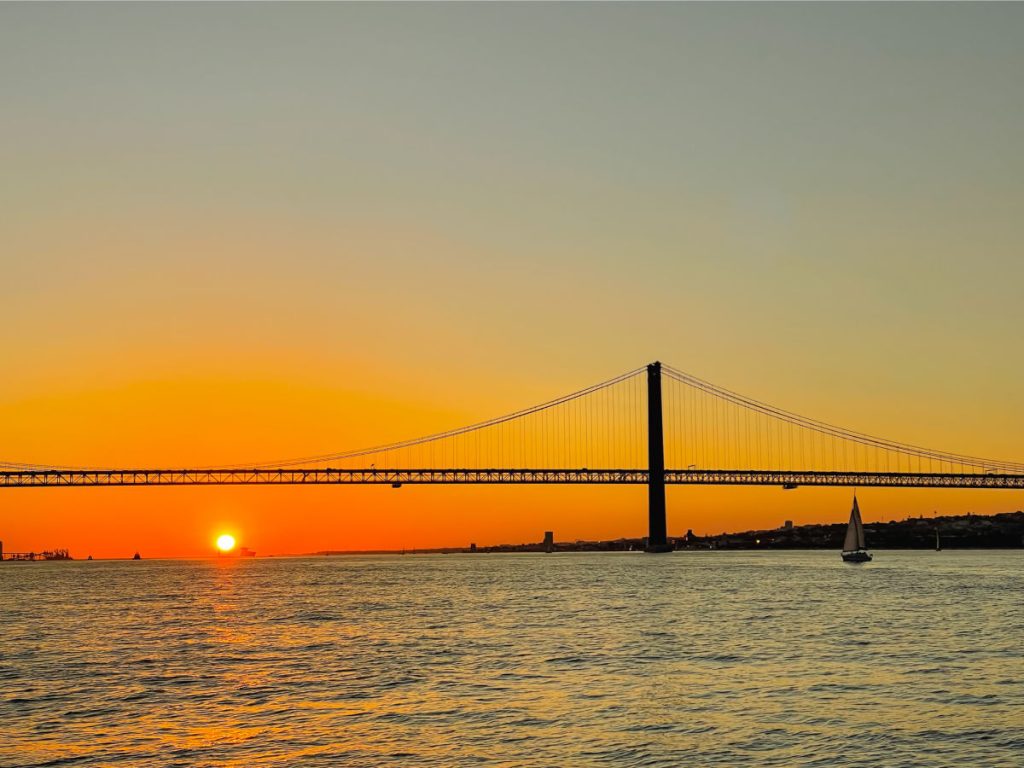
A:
471	476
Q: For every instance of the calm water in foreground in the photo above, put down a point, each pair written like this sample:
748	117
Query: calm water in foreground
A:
689	659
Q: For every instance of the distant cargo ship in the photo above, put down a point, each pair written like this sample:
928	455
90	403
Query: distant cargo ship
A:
240	552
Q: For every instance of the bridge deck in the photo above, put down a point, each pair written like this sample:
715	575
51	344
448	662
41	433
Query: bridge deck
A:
146	477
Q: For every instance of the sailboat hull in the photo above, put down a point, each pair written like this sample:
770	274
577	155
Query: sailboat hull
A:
857	556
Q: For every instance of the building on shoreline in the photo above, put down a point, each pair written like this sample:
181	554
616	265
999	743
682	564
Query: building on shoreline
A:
47	554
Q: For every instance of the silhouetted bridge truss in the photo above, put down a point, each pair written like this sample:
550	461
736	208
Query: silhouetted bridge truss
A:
653	426
399	477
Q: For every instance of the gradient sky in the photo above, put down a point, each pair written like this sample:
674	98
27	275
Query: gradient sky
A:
233	232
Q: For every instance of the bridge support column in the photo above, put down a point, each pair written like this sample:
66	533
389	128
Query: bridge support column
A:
657	529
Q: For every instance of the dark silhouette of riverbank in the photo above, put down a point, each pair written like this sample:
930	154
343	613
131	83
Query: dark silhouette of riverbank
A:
1001	531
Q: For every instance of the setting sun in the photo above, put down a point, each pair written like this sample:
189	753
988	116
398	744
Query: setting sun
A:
226	542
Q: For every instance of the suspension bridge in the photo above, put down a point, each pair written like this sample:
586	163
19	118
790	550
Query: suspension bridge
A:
652	426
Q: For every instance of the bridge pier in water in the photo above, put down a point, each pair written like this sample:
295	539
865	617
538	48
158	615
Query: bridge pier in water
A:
657	528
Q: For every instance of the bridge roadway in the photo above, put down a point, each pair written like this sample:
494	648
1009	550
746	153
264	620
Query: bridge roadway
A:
39	478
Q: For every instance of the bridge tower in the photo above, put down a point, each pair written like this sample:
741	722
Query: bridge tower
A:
657	529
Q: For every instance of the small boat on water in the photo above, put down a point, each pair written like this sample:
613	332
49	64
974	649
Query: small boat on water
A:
854	547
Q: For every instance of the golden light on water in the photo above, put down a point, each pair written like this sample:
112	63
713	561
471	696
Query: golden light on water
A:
225	542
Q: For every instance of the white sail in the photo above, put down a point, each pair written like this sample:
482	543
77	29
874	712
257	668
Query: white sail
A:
854	531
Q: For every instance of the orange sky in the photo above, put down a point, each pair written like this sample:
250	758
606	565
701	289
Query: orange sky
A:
202	421
115	522
247	232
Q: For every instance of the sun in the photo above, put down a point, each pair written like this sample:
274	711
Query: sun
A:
225	542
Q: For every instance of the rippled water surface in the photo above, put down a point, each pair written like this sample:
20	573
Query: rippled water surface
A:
733	659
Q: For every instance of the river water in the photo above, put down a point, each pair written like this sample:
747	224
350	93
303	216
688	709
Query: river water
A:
688	659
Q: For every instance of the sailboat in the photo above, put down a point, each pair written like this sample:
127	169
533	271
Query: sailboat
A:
854	547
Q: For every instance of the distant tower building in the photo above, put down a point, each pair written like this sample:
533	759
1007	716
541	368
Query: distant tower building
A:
788	525
472	547
549	541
